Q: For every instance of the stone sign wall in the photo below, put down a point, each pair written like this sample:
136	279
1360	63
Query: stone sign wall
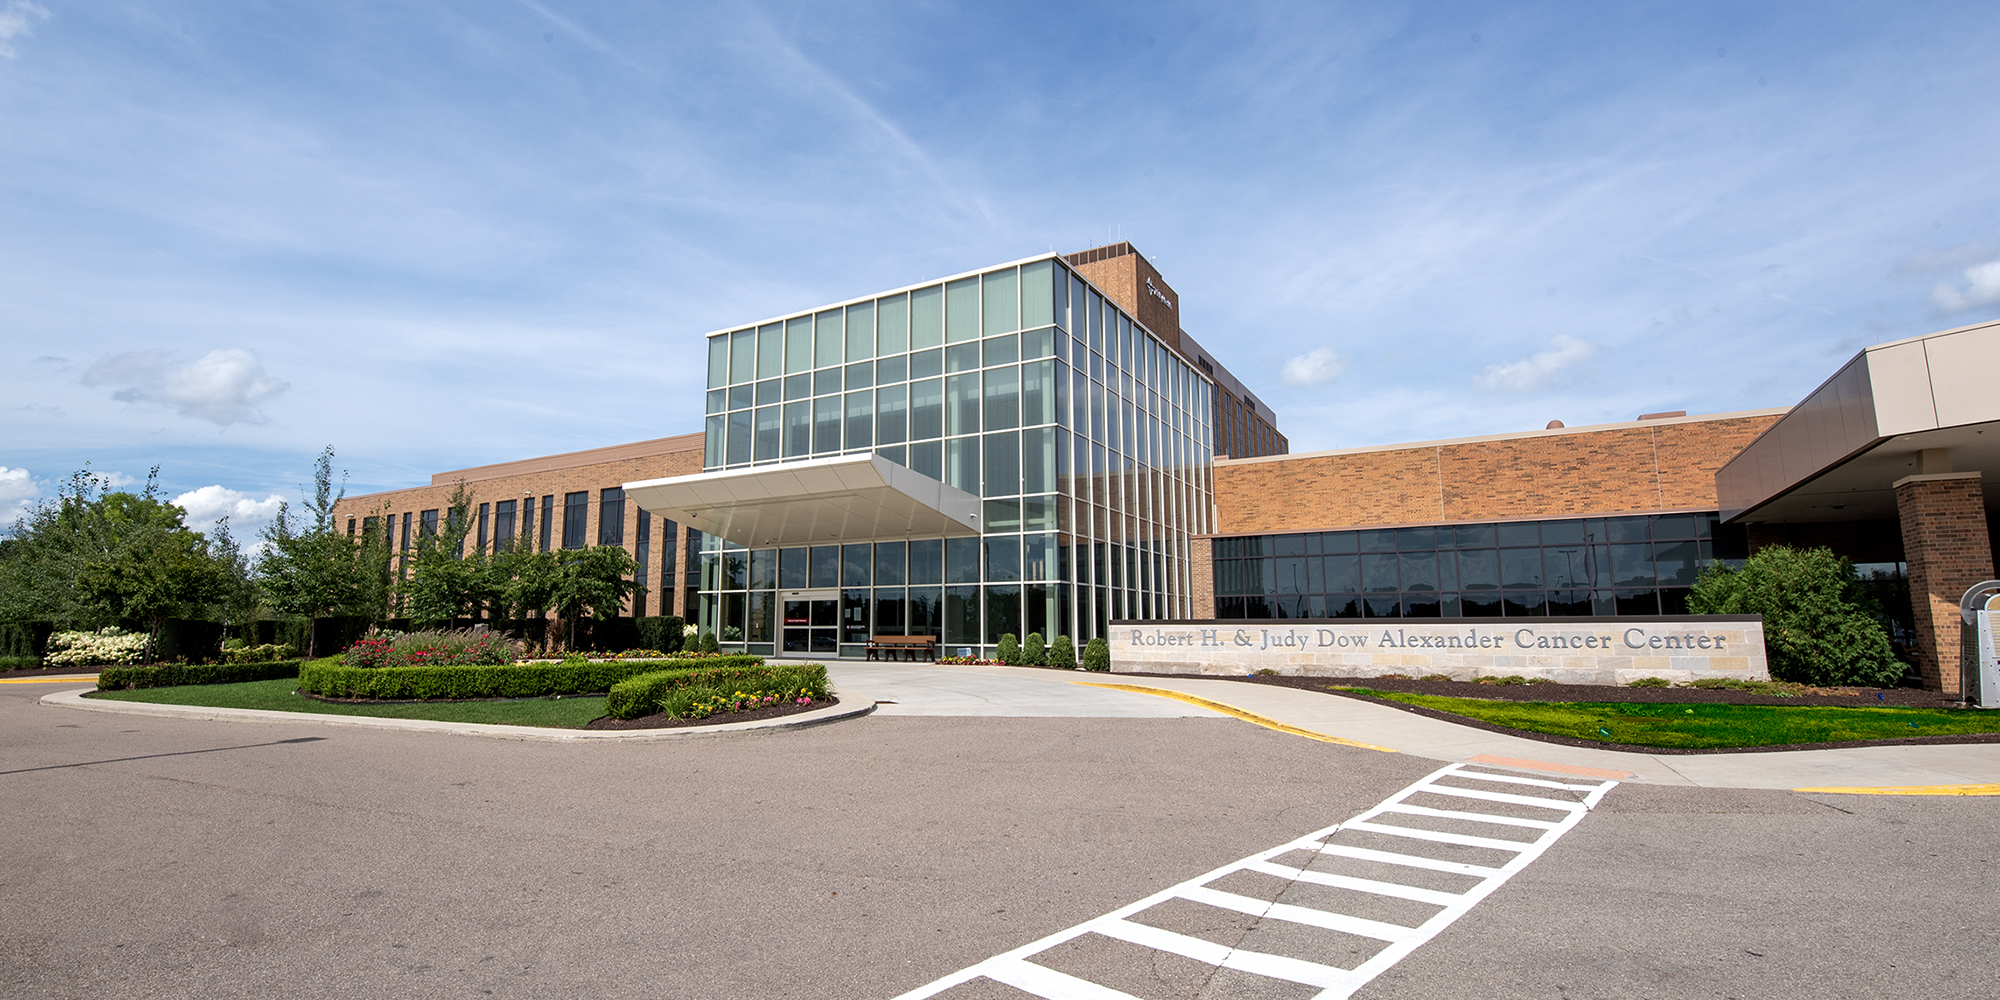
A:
1567	650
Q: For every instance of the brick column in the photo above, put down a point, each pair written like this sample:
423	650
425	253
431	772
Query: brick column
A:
1201	578
1948	550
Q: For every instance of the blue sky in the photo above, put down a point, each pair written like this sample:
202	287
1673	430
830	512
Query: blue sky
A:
435	235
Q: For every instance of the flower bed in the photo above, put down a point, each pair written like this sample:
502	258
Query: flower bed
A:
514	680
699	693
106	645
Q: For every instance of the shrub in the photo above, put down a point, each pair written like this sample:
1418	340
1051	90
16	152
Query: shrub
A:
676	692
1509	680
1097	655
1267	672
1435	677
270	652
106	645
457	647
1818	625
1009	652
661	632
1034	651
1650	682
1062	653
708	643
20	662
515	680
178	674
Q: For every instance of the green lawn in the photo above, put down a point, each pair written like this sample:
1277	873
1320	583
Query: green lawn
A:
278	696
1701	727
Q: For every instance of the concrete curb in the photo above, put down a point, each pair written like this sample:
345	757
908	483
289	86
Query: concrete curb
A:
854	703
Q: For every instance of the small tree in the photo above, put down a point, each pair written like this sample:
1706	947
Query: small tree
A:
1010	650
445	581
1097	655
308	570
1033	651
1818	625
596	579
1062	653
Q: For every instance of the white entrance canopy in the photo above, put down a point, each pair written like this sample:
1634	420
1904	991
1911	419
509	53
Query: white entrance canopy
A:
849	498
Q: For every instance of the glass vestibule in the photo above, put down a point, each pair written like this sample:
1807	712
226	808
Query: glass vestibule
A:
1085	437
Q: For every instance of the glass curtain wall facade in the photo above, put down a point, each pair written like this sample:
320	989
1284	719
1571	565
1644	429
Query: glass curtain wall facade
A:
1640	565
1086	437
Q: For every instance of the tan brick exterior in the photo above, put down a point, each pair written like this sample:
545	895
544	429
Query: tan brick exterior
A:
1637	467
1946	544
1201	569
556	475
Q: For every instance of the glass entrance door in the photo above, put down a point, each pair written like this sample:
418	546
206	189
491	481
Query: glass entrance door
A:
812	622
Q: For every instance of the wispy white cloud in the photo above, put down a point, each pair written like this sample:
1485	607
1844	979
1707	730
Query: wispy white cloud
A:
17	20
1539	370
247	515
1982	288
1315	367
222	387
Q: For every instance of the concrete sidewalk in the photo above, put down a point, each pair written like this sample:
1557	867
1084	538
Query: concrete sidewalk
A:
933	689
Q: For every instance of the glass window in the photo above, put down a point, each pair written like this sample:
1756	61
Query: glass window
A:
798	429
741	396
892	370
1002	302
1567	565
1000	350
891	415
1416	539
961	560
770	350
1638	602
1419	570
768	392
961	464
829	338
825	566
961	411
718	400
1003	612
1520	533
926	317
961	357
1289	545
763	569
1569	532
925	364
1378	573
861	376
792	565
926	409
1038	460
927	458
861	331
798	386
1343	573
718	361
826	381
1479	569
1677	562
892	331
860	420
1038	343
798	344
1039	292
826	424
1632	566
1474	536
742	355
1003	557
1520	568
1525	604
1674	526
926	561
855	563
1333	542
1003	465
739	437
1003	398
961	310
1380	540
768	424
1627	529
961	616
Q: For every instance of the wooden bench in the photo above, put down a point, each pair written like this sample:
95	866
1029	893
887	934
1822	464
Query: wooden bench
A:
908	645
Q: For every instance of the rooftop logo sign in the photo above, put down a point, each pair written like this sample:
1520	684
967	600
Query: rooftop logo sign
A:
1156	293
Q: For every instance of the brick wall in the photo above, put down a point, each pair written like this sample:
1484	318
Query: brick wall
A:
570	474
1946	544
1201	567
1617	468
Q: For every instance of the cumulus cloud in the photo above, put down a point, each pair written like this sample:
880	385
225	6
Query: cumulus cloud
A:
222	387
1315	367
18	492
1540	369
17	20
247	515
1982	288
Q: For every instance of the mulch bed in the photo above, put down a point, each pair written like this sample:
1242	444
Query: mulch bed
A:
1863	698
663	721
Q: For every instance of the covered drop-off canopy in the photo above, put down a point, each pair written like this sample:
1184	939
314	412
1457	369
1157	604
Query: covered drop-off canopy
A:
848	498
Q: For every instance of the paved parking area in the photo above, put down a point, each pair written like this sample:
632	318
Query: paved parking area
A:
172	858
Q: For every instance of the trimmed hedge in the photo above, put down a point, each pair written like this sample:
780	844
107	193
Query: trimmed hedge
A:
649	693
179	674
515	680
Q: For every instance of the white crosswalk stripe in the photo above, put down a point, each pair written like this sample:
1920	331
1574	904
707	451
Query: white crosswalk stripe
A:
1572	799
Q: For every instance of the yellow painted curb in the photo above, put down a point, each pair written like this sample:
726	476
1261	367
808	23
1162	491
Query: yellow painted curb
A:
1236	712
1910	790
92	679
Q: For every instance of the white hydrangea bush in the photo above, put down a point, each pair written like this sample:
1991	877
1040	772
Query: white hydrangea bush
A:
89	649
